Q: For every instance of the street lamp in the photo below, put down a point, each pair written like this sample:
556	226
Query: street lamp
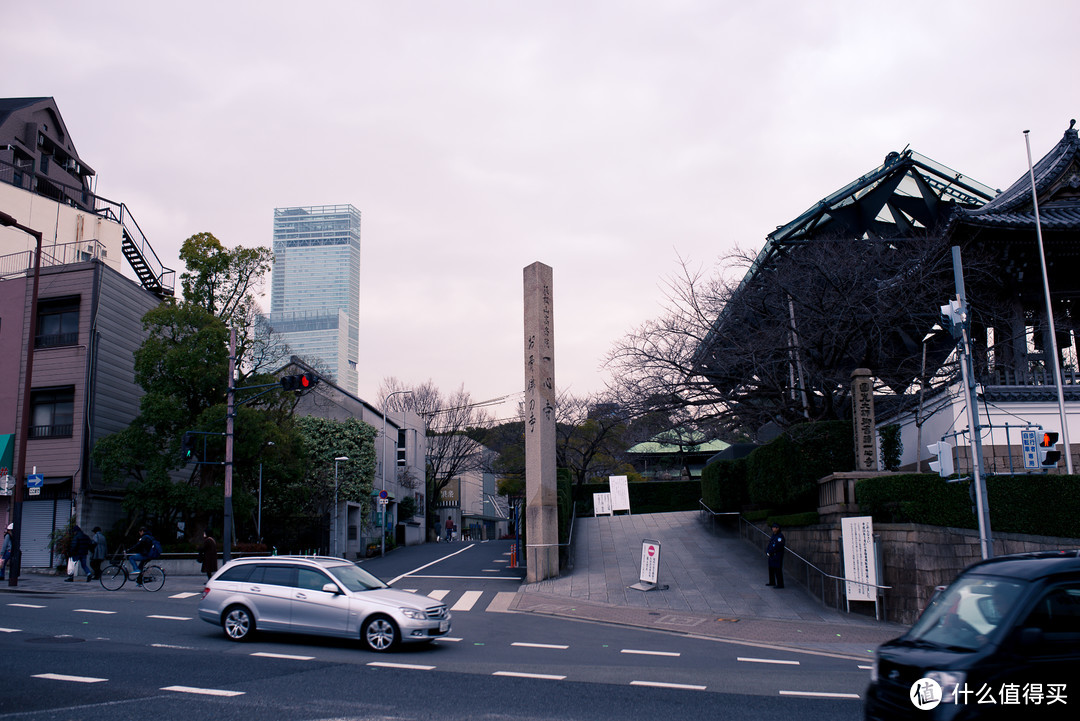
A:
20	463
336	513
386	404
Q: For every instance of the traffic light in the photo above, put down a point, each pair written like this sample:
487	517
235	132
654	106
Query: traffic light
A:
953	316
299	382
1048	454
187	447
944	463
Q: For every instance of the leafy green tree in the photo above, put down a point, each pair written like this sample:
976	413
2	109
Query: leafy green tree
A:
324	440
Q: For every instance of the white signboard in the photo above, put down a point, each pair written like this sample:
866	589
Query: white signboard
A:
7	485
650	561
860	563
601	503
620	494
1030	446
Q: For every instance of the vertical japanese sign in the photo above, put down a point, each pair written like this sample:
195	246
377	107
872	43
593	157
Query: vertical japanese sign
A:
862	401
620	493
601	504
860	563
541	513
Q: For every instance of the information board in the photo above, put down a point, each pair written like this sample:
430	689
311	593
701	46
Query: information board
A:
650	561
860	562
620	494
601	503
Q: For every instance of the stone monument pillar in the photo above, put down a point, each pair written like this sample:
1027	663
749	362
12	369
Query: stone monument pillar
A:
541	508
862	416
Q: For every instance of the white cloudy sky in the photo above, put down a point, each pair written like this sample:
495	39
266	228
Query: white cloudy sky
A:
605	138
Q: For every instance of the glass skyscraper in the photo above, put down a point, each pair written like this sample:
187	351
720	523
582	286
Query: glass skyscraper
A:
315	287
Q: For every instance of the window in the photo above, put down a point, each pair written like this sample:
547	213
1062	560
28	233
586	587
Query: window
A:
1057	615
311	580
58	322
52	411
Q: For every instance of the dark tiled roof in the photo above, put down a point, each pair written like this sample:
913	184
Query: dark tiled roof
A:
1014	208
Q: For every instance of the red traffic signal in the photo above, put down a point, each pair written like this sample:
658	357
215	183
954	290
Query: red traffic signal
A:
1048	456
299	382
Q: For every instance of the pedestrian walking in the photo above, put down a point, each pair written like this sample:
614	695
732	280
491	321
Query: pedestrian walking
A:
449	528
208	555
80	546
5	551
98	552
775	552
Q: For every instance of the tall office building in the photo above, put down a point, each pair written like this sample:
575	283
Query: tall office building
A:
315	287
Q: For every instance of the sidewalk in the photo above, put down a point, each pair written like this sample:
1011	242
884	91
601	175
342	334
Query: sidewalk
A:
47	583
711	583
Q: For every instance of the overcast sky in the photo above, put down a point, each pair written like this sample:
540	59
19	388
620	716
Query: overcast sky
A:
603	138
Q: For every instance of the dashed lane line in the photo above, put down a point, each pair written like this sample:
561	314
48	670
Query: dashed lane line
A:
661	684
10	630
819	694
650	653
556	646
288	656
519	674
408	666
171	618
93	610
768	660
202	691
26	605
66	677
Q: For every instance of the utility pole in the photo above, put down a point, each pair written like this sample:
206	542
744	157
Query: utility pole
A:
230	415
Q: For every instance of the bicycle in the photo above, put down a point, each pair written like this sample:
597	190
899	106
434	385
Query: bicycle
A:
116	574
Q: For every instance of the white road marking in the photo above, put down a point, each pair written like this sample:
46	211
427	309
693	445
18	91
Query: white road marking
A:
171	618
421	568
264	654
453	639
10	630
516	674
169	645
92	610
467	601
819	694
438	595
203	691
865	668
659	684
768	660
540	645
25	605
474	578
185	594
411	666
500	560
650	653
490	570
501	602
65	677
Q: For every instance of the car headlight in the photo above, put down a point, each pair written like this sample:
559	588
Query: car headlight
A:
413	613
949	681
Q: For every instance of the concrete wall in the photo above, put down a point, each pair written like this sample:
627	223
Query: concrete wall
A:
915	558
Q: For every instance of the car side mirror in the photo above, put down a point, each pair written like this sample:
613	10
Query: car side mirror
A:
331	588
1030	638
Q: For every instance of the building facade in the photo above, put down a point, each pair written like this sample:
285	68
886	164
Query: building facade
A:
87	326
315	287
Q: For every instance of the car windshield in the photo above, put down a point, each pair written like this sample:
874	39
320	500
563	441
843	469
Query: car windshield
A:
355	578
968	614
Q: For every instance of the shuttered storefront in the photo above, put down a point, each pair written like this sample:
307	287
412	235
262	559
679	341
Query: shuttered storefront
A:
39	519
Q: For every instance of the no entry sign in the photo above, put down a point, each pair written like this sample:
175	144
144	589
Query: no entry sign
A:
650	561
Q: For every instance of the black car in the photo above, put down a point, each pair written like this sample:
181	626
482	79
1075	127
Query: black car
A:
1001	642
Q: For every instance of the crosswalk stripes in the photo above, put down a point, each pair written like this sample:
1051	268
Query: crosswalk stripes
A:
458	602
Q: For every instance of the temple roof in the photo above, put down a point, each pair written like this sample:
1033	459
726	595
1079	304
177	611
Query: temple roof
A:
1057	183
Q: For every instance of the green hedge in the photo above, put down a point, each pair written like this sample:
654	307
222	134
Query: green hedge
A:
1044	505
784	473
723	485
564	501
645	497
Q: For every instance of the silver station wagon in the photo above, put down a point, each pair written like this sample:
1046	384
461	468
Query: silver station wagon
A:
319	596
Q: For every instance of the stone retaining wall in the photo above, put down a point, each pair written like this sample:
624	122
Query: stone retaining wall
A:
915	558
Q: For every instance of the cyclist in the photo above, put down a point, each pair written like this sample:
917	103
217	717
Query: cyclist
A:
140	553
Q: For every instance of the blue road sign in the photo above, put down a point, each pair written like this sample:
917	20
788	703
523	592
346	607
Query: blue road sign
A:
1030	446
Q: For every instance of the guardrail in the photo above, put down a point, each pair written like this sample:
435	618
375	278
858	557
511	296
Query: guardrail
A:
817	580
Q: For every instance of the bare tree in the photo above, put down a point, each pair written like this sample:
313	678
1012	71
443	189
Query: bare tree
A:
448	418
780	343
589	435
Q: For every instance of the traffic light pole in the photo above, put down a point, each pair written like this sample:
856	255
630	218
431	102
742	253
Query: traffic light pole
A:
982	509
230	415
